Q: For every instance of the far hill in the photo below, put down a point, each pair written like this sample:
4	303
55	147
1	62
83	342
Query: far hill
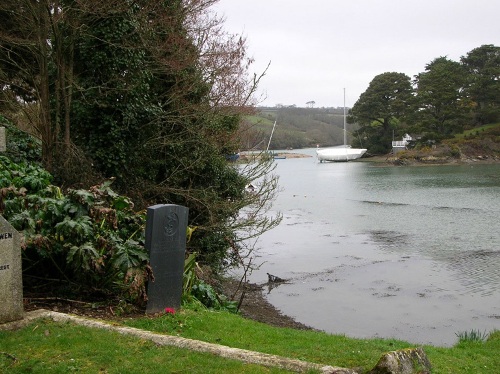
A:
295	128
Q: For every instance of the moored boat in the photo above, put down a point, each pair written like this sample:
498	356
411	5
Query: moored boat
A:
340	153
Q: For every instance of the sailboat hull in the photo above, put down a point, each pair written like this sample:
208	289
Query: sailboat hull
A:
342	153
339	154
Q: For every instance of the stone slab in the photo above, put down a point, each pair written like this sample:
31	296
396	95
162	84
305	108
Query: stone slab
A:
166	226
11	275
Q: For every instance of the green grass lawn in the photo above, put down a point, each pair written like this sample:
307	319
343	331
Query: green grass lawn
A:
49	347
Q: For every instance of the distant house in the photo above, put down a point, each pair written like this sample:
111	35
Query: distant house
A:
401	145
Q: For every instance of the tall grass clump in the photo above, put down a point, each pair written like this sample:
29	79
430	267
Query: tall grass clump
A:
472	336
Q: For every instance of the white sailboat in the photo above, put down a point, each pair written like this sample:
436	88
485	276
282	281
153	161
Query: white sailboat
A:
340	153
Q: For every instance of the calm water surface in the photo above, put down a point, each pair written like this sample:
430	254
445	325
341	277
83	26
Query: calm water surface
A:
406	252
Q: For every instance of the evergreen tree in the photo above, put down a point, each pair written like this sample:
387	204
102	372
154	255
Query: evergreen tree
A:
381	109
442	107
483	88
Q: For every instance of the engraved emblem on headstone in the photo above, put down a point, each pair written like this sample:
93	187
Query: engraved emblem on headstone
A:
171	224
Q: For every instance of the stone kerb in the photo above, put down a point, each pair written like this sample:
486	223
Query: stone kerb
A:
11	278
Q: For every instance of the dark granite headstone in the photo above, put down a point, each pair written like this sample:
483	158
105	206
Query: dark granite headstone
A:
166	226
11	274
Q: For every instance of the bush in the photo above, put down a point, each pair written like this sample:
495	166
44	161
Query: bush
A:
88	240
21	146
207	295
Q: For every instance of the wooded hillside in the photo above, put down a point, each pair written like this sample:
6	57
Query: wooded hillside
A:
295	128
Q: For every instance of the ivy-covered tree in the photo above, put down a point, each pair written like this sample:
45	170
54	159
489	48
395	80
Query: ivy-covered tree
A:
483	84
23	63
442	107
149	93
112	101
381	109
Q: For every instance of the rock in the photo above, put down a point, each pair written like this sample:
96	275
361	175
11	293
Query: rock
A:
275	279
405	361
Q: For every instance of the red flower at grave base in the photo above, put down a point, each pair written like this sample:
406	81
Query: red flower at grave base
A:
169	310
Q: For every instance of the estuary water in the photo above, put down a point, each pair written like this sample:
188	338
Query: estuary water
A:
411	253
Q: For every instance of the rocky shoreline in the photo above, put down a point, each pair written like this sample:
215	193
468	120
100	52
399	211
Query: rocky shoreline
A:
254	305
429	161
388	160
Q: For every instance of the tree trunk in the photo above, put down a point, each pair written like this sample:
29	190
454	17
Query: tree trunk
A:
45	126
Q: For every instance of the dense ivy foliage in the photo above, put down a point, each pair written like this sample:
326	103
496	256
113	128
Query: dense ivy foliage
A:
113	101
142	113
20	146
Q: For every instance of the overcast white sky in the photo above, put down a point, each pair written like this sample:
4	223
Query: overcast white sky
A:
319	47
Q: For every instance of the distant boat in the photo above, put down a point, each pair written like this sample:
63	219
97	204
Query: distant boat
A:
276	156
340	153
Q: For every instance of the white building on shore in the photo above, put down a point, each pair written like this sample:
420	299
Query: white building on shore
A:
401	145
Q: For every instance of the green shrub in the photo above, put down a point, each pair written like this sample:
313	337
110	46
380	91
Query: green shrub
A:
21	146
207	295
90	240
195	289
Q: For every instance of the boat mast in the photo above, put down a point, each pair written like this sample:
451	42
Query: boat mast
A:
272	132
345	132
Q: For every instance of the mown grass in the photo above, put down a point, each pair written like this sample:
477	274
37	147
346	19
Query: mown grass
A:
48	347
234	331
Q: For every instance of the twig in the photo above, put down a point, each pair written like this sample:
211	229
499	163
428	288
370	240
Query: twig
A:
241	300
53	298
244	277
12	357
